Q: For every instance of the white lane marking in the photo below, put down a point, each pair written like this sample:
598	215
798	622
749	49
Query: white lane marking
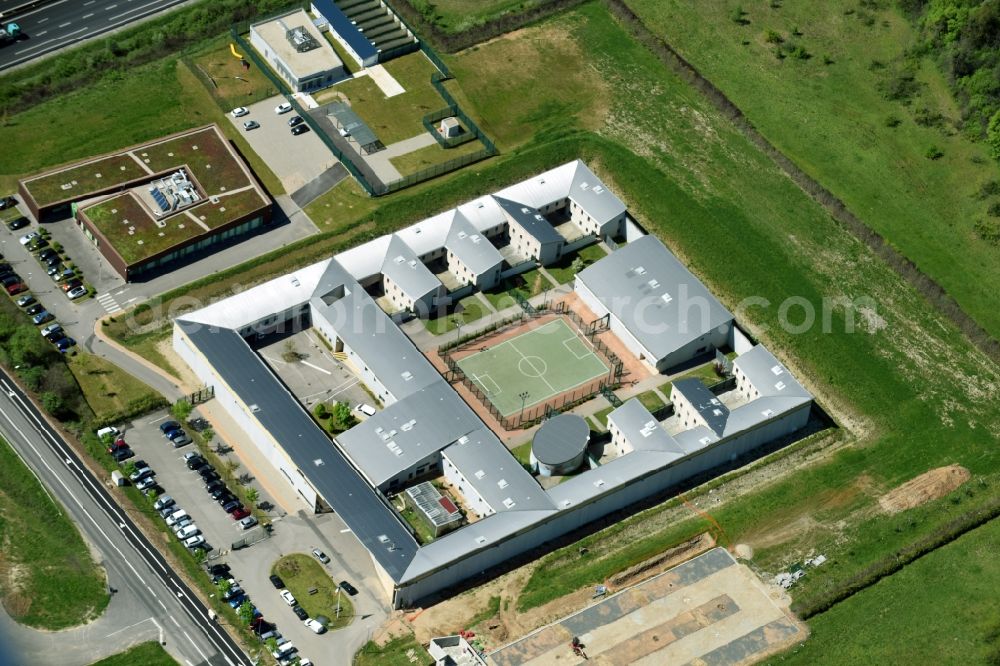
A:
87	16
132	11
65	25
196	647
174	620
131	626
47	43
43	32
48	6
110	7
316	367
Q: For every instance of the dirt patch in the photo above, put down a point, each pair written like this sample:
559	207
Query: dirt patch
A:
924	488
665	560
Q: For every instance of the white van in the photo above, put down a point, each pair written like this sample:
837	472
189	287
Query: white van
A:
175	516
110	430
366	409
187	531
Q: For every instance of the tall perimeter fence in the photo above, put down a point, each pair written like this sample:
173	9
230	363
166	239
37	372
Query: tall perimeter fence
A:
536	414
372	185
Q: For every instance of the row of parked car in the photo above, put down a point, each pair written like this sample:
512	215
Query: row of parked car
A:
53	332
297	123
54	264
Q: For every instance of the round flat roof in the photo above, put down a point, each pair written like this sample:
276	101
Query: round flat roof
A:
560	439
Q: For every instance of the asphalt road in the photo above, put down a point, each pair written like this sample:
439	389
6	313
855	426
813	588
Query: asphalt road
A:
148	594
65	22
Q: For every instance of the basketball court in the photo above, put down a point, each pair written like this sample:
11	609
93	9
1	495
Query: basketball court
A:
538	365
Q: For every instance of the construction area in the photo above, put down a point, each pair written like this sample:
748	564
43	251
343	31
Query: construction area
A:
709	610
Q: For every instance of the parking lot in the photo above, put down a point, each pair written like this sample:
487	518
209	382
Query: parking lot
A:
295	160
251	566
316	376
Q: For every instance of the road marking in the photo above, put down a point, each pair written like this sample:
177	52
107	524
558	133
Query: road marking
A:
87	16
65	25
110	7
131	626
132	11
345	530
43	32
109	303
174	620
203	655
43	20
316	367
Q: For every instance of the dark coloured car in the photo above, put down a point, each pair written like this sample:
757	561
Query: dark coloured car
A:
42	317
214	486
181	440
276	581
226	498
218	569
123	454
26	300
7	202
47	254
70	285
35	309
300	129
219	492
208	474
205	468
12	278
17	223
65	343
53	261
54	269
37	244
231	505
295	121
196	462
300	613
347	587
240	513
16	288
168	427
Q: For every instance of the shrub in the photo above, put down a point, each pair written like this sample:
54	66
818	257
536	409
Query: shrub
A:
994	209
893	121
320	411
934	153
772	37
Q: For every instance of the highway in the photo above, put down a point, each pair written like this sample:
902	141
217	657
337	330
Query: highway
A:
150	602
61	23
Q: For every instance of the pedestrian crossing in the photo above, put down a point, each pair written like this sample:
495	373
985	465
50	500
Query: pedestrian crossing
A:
109	303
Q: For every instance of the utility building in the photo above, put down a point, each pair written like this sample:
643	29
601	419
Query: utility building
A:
297	51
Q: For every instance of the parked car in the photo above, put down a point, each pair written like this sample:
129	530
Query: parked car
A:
240	513
76	292
169	426
284	107
276	581
219	569
29	237
321	556
347	587
7	202
247	523
212	486
123	454
226	498
179	432
205	468
141	473
187	531
119	443
53	269
300	613
176	516
195	462
250	125
65	343
300	129
52	261
26	300
42	317
236	601
35	309
16	288
166	511
208	475
47	254
287	596
37	244
194	541
317	627
17	223
240	111
145	483
66	274
163	502
50	329
71	284
295	120
219	492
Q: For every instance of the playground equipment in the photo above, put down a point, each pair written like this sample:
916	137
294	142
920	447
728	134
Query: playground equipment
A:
9	32
232	49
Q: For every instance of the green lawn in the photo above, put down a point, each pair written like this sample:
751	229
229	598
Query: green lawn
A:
959	625
396	652
302	573
564	272
109	390
650	400
432	155
423	531
706	373
522	454
469	309
230	84
832	119
458	15
400	116
106	172
147	654
529	284
48	578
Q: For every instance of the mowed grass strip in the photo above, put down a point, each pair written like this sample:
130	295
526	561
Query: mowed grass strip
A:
302	573
108	389
48	579
146	654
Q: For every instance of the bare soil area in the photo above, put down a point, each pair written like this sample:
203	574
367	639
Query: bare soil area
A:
924	488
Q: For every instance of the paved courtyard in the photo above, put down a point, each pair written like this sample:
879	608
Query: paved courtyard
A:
708	611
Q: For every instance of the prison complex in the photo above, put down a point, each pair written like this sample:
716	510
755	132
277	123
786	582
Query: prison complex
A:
425	429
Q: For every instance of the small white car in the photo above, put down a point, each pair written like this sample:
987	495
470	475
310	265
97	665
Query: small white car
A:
75	293
195	541
247	523
240	111
251	125
148	482
284	107
317	627
32	235
287	596
187	531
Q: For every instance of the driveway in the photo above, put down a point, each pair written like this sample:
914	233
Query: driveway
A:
295	160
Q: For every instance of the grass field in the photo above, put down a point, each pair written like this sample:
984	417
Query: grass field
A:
302	573
48	579
542	362
108	389
529	284
147	654
834	121
432	155
958	625
469	309
459	15
228	81
563	270
396	652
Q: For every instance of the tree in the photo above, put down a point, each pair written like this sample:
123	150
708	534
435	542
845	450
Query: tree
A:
993	134
342	417
129	468
53	404
320	411
738	16
223	585
272	644
578	265
251	495
207	435
181	410
245	612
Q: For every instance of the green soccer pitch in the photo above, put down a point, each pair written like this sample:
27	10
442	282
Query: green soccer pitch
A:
542	362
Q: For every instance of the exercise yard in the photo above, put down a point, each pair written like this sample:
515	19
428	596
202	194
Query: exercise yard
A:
542	363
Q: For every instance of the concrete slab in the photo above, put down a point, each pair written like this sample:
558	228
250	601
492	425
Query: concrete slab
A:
709	610
320	185
384	80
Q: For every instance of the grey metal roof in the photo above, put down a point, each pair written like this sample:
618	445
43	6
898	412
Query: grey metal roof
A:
529	219
403	267
768	375
406	432
495	474
560	439
708	406
472	248
589	193
341	486
655	297
349	120
641	429
346	28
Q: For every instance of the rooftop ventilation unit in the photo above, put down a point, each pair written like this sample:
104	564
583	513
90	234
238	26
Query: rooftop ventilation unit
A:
406	375
777	370
780	386
654	283
255	408
598	189
599	483
525	210
584	185
640	270
462	234
399	259
300	39
383	538
480	474
318	462
480	540
767	413
667	298
648	429
509	503
464	439
502	483
705	440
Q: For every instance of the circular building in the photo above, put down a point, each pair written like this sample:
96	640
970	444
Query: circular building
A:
560	445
